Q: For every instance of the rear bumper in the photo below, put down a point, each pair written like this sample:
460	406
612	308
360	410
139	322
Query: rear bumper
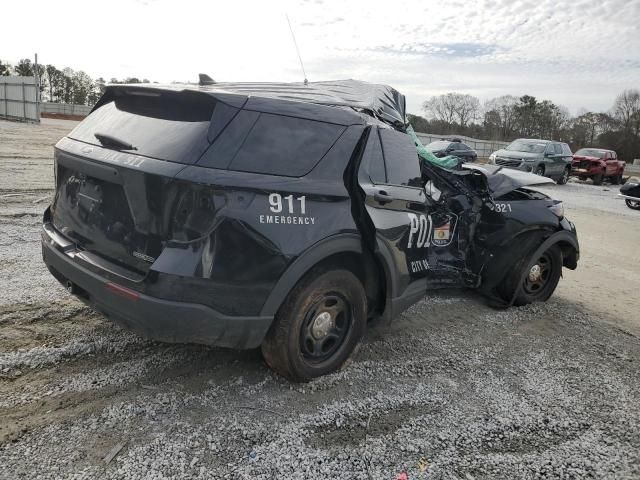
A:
154	318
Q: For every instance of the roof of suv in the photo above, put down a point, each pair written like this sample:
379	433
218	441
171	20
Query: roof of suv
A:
364	102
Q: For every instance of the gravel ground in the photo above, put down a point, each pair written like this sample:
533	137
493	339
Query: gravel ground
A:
452	389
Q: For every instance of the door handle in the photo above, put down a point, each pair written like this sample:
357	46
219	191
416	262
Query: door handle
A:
382	197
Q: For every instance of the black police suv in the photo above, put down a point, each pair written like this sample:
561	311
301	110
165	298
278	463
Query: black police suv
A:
455	147
283	216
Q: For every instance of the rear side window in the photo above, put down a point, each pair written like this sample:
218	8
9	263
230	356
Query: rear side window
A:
401	158
288	146
271	144
558	148
566	150
167	126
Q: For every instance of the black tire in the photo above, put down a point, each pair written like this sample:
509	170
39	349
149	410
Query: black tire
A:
617	180
597	179
294	349
540	289
632	204
539	170
565	176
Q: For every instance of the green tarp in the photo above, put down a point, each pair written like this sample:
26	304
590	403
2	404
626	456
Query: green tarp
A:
449	161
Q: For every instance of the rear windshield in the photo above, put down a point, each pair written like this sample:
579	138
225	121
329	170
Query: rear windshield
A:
590	152
167	126
527	147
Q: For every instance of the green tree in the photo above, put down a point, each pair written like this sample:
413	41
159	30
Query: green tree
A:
5	69
24	68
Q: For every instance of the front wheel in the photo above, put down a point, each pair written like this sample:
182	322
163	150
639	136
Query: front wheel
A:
617	180
318	327
597	179
565	177
539	170
540	280
632	204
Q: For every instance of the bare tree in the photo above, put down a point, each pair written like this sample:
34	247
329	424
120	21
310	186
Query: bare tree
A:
441	107
626	107
453	108
467	108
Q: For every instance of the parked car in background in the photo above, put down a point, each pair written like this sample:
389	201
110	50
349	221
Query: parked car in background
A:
542	157
597	164
630	191
442	148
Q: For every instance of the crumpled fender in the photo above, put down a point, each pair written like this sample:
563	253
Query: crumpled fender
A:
526	250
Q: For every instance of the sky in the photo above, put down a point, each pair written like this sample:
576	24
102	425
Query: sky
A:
579	53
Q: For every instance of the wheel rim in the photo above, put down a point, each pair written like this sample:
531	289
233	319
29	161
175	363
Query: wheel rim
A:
565	176
539	171
325	327
538	276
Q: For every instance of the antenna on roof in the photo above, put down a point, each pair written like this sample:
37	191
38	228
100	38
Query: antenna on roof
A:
297	50
205	79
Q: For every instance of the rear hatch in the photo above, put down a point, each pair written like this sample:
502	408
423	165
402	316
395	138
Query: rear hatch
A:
116	196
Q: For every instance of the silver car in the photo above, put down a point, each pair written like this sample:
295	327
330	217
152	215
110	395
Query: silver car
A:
542	157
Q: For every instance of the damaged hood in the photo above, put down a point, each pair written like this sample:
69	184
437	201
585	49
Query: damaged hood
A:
504	180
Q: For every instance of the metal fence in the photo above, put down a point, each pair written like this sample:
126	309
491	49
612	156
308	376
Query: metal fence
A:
65	109
483	147
19	99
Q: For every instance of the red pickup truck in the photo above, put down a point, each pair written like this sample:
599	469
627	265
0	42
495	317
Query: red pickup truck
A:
597	164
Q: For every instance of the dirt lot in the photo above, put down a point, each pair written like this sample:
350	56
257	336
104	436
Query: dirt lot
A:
452	389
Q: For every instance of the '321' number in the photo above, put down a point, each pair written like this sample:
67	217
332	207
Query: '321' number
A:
502	207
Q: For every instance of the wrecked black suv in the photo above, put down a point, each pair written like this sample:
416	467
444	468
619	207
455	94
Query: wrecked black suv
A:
283	216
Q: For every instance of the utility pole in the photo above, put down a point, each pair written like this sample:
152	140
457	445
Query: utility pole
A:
36	74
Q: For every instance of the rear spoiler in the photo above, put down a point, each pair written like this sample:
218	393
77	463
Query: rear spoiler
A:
117	90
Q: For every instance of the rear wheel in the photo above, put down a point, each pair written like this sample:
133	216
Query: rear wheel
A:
633	204
540	281
318	327
565	177
597	179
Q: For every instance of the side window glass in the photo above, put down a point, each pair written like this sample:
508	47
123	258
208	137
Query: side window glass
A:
401	158
372	161
558	149
550	150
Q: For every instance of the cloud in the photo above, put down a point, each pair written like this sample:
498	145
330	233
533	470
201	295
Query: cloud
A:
580	53
440	49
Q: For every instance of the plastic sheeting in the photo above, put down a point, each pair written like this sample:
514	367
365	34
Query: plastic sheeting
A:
381	101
